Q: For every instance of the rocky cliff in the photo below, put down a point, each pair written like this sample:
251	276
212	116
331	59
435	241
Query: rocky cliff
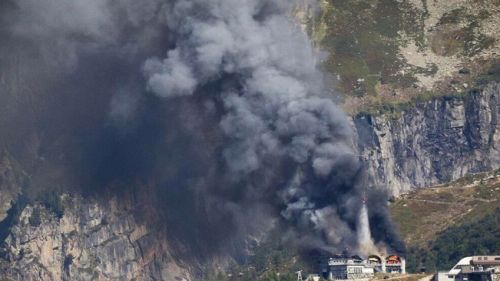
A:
87	241
11	178
432	142
75	238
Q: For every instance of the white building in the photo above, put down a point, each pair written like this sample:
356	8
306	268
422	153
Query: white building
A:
342	267
475	268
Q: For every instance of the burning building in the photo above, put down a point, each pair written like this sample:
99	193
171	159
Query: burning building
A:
394	264
209	118
343	267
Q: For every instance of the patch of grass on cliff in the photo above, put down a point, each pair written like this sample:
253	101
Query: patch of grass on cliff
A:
492	74
394	108
363	39
457	32
454	16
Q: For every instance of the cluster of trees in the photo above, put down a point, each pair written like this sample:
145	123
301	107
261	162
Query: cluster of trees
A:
480	237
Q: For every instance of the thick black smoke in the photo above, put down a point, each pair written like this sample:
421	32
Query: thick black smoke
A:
215	108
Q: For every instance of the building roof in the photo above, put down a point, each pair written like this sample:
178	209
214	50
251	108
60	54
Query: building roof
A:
485	260
458	267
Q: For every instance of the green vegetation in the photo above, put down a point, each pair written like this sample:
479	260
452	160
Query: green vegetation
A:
370	47
393	109
481	237
271	261
363	39
453	17
457	32
442	224
493	74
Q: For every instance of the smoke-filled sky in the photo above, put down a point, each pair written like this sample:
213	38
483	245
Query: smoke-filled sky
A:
214	108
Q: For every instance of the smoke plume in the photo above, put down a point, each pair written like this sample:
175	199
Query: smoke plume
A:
216	108
366	245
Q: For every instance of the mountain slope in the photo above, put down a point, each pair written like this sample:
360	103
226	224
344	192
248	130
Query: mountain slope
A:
432	141
388	51
443	223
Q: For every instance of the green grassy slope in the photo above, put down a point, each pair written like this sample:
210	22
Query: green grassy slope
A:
390	52
481	237
444	223
363	38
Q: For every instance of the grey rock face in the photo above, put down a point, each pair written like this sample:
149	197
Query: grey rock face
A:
10	183
89	242
433	142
